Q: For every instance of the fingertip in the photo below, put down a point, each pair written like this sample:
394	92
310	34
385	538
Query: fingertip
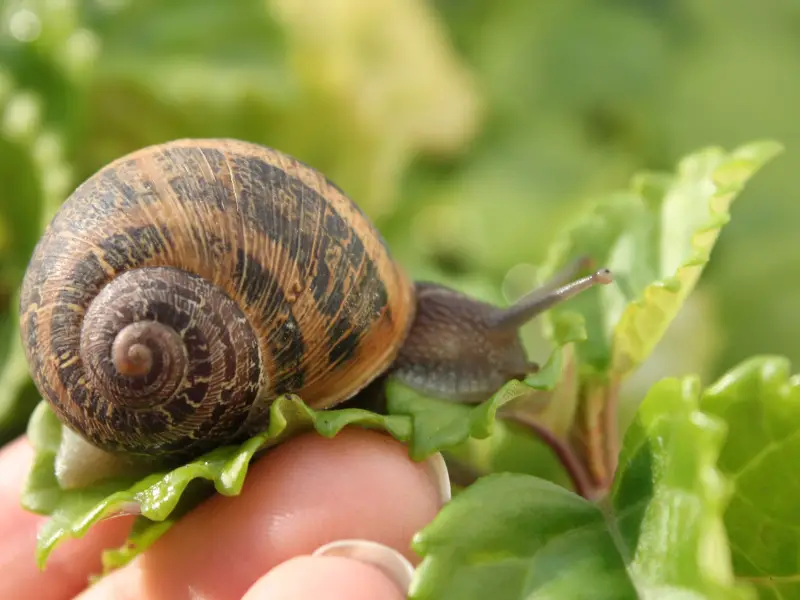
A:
15	460
324	578
390	562
304	494
71	563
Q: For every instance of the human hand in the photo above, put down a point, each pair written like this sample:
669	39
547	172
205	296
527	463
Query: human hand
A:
308	492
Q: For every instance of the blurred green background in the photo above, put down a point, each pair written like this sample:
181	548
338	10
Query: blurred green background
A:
469	130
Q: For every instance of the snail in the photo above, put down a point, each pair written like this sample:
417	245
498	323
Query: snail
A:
183	287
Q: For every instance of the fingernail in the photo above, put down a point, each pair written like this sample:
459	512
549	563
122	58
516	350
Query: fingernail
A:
393	564
440	476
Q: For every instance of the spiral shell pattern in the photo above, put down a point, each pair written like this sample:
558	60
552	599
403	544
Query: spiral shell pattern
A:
185	286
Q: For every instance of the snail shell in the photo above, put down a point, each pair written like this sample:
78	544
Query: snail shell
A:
185	286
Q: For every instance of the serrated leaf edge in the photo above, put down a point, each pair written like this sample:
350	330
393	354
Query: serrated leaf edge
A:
685	277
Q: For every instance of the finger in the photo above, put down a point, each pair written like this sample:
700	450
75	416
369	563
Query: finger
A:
324	578
305	493
311	577
69	566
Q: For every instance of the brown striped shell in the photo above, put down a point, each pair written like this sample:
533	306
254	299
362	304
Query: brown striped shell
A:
185	286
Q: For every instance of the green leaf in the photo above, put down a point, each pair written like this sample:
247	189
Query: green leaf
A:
669	498
760	401
516	536
656	238
659	535
438	424
166	48
156	496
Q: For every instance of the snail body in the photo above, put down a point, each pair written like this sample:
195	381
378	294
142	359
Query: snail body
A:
183	287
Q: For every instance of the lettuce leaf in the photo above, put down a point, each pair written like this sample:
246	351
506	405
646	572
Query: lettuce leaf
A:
760	402
659	535
157	496
160	498
656	238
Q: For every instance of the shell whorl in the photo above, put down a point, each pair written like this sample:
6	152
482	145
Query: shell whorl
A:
183	287
176	354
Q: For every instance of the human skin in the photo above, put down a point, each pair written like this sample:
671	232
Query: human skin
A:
304	494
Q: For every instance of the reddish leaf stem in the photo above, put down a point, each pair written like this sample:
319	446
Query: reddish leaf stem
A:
569	459
611	427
